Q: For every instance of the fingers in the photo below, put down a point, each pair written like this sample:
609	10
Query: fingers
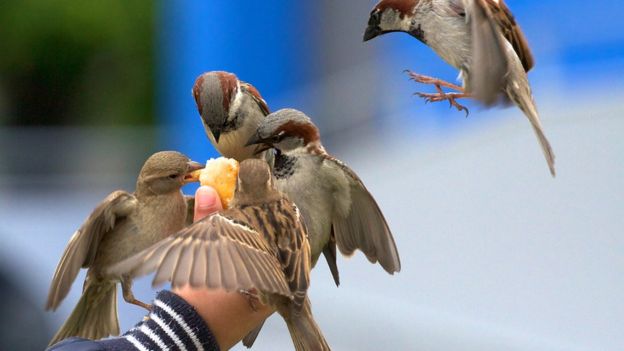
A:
207	202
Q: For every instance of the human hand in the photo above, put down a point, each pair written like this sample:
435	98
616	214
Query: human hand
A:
207	202
228	315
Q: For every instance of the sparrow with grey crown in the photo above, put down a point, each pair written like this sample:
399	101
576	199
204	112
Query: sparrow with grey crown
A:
481	39
122	225
336	206
231	111
258	244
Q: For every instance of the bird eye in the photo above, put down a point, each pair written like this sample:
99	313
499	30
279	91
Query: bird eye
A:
173	176
278	137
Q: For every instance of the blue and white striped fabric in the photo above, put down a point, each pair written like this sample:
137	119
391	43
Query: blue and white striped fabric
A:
172	325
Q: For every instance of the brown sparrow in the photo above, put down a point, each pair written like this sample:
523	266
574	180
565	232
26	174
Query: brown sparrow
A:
122	225
336	206
478	37
230	110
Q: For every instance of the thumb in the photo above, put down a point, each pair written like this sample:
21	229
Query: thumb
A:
207	202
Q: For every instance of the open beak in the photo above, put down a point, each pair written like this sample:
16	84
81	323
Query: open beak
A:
261	144
193	172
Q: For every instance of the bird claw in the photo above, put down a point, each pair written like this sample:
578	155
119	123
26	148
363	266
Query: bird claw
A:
252	298
438	83
441	96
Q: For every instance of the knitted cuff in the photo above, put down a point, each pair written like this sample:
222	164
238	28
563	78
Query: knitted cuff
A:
173	324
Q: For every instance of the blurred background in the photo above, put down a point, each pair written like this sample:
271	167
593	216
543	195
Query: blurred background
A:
496	254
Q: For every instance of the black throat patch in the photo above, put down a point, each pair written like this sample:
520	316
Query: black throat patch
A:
284	165
418	33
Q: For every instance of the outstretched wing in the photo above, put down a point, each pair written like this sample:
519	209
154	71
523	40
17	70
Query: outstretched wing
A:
282	225
83	245
493	28
490	63
500	13
216	252
364	227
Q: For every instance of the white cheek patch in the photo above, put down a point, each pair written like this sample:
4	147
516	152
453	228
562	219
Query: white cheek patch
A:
393	21
238	100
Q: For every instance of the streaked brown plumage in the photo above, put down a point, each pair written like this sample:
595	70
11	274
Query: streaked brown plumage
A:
260	244
119	227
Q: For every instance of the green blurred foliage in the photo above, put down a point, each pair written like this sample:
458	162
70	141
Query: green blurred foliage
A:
76	62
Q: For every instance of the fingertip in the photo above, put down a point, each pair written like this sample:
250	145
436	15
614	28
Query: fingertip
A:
206	202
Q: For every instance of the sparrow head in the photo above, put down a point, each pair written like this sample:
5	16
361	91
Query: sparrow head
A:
255	184
219	97
392	16
285	130
165	172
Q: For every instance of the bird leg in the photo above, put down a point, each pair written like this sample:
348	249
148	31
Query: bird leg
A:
440	95
252	298
126	288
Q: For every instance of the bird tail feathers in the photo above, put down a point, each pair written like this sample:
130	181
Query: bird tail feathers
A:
305	333
525	102
95	315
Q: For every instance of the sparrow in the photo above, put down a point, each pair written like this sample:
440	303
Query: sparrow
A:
337	208
481	39
259	244
230	111
122	225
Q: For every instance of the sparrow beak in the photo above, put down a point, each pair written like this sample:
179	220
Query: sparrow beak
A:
262	144
254	140
373	28
216	134
371	32
193	172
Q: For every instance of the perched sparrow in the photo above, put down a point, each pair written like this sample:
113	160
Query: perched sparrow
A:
478	37
230	111
336	206
119	227
258	244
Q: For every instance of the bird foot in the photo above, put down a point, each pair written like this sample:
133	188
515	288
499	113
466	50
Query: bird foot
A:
147	306
441	96
252	298
421	78
128	296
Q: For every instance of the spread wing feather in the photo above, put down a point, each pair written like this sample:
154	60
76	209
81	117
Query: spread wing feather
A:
364	227
491	23
83	245
216	252
500	13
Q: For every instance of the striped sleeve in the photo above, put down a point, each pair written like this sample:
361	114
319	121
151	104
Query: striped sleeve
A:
173	324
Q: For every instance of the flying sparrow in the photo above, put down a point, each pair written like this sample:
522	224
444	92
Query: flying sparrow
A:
478	37
230	110
335	205
258	244
119	227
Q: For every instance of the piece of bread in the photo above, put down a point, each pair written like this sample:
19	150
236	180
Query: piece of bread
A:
221	174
